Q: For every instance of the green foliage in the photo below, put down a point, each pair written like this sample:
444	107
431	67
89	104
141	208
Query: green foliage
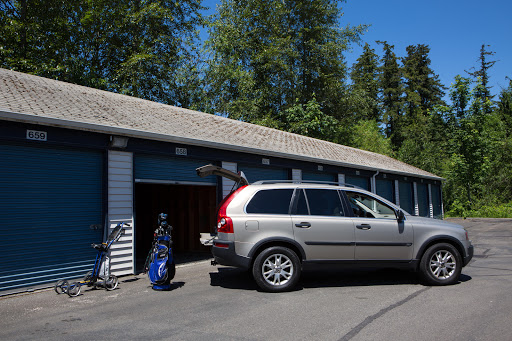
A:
366	135
262	61
365	84
391	89
133	47
503	210
280	64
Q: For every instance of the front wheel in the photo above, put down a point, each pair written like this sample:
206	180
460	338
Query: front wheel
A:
61	287
441	264
276	269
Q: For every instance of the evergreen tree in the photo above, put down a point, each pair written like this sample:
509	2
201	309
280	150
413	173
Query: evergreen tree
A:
391	87
423	89
365	84
423	95
484	93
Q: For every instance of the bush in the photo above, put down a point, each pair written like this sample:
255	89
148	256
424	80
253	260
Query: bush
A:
480	211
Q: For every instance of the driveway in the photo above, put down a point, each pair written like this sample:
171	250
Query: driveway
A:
221	303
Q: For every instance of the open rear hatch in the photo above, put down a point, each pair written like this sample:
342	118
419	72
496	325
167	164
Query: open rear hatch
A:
239	178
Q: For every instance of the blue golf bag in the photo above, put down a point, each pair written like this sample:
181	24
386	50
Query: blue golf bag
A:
161	268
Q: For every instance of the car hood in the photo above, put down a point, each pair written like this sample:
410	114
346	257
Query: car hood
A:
415	220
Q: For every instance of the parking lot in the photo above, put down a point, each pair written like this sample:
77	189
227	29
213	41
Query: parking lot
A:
221	303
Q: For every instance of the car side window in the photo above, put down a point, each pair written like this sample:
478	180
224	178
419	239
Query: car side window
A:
365	206
324	202
272	201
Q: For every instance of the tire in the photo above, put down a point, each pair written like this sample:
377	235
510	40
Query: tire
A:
74	289
61	287
111	282
87	276
276	269
441	264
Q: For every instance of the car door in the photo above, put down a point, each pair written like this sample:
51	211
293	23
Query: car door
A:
378	233
321	226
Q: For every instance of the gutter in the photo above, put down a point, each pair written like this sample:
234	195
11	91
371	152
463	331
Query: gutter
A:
93	127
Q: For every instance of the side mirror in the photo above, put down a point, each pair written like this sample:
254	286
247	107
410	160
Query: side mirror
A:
400	216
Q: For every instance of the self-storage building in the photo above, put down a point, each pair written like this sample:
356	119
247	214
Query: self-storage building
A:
75	161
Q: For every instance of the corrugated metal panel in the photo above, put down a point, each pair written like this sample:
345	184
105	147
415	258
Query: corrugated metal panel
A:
168	168
254	174
406	197
360	181
227	185
385	189
318	176
436	201
423	204
49	198
120	209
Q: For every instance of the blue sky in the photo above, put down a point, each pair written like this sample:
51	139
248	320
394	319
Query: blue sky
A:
454	29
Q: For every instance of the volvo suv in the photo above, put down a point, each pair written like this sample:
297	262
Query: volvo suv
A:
274	229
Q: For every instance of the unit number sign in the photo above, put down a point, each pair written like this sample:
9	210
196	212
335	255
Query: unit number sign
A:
37	135
181	151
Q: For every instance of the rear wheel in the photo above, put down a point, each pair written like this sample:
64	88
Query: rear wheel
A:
74	289
111	282
276	269
441	264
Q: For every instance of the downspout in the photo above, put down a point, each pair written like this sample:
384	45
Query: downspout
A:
374	182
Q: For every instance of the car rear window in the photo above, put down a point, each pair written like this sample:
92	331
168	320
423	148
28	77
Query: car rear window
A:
272	201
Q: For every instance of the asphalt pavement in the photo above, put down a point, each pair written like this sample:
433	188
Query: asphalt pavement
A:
221	303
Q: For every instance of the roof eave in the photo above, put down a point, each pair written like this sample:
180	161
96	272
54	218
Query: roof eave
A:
93	127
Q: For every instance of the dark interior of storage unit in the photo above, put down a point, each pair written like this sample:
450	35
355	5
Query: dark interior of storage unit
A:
191	211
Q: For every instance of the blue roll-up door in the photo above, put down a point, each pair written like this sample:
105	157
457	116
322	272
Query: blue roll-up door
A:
436	201
254	174
406	197
319	176
169	168
49	199
359	181
423	204
385	189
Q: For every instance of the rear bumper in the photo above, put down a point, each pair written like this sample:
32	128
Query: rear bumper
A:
224	254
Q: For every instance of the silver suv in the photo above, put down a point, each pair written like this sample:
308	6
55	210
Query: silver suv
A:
275	229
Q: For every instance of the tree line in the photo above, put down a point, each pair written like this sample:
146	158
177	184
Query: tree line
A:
280	64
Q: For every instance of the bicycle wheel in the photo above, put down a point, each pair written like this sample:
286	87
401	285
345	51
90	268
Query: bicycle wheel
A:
61	287
74	289
111	282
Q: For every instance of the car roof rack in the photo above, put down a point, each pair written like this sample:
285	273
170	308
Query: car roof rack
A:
268	182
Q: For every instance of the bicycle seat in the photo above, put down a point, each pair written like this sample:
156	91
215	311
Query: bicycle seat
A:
100	247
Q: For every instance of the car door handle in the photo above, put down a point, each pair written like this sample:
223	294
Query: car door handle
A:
303	225
364	226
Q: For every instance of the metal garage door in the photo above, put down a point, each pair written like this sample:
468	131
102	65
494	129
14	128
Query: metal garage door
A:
359	181
167	168
436	201
385	189
406	197
49	199
317	176
423	204
254	174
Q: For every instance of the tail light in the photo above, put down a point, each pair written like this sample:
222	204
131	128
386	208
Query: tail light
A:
224	223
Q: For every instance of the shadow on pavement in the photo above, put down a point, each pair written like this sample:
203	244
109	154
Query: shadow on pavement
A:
233	278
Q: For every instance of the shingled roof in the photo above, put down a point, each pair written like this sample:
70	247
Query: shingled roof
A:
28	98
